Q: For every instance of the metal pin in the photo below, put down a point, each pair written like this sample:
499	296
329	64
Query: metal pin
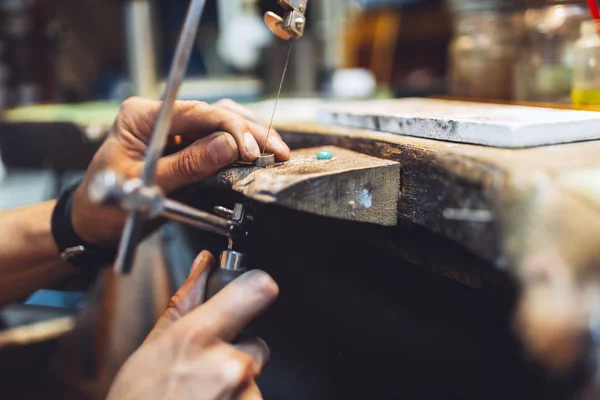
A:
223	212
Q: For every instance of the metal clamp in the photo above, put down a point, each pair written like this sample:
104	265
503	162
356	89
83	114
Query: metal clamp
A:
293	22
108	188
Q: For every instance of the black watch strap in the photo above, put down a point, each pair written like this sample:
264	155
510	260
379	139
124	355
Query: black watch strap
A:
72	248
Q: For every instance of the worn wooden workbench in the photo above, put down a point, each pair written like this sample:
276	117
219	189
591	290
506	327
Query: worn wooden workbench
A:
509	224
533	215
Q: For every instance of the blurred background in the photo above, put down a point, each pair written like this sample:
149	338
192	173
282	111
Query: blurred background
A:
66	65
68	52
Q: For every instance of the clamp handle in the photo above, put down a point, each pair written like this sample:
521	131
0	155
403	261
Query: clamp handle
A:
293	22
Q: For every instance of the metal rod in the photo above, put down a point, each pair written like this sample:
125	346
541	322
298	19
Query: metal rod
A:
162	125
163	121
200	219
132	234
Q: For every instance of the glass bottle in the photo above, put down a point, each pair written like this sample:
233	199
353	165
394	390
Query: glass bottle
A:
545	66
483	53
586	67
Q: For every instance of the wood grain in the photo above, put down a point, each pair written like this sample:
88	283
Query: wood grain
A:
351	186
532	213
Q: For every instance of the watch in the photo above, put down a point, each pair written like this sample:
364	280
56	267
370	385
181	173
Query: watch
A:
72	248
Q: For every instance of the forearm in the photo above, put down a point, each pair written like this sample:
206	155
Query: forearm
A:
29	258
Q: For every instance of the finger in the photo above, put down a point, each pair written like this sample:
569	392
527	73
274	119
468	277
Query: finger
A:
255	348
188	297
250	136
275	145
190	118
232	370
250	392
236	305
196	162
245	112
197	119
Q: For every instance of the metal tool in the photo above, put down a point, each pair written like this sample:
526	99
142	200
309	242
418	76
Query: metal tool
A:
290	26
293	22
144	201
108	188
135	221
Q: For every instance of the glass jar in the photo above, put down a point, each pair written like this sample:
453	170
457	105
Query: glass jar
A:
544	68
483	53
586	68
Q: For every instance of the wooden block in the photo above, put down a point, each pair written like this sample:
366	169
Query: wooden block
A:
493	125
529	217
351	186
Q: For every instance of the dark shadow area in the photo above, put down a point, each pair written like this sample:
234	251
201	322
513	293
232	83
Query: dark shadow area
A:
355	321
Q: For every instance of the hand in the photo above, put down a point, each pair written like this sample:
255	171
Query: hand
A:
188	354
225	132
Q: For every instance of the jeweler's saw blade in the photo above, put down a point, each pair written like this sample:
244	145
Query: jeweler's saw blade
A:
285	67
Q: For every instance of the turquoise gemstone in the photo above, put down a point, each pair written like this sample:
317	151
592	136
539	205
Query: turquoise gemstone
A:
324	155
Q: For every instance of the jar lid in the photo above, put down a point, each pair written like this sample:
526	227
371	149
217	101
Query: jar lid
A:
460	6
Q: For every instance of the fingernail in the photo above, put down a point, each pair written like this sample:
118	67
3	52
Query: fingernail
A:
277	143
266	351
221	150
251	145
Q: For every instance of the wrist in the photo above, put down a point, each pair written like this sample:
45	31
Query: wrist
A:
74	248
80	219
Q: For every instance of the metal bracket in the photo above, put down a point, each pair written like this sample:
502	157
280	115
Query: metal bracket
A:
293	22
110	189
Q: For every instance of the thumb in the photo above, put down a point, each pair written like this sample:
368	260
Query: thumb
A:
203	158
188	297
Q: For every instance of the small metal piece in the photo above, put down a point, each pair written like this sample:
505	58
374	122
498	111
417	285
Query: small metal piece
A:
293	22
238	213
223	212
232	261
199	219
265	160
